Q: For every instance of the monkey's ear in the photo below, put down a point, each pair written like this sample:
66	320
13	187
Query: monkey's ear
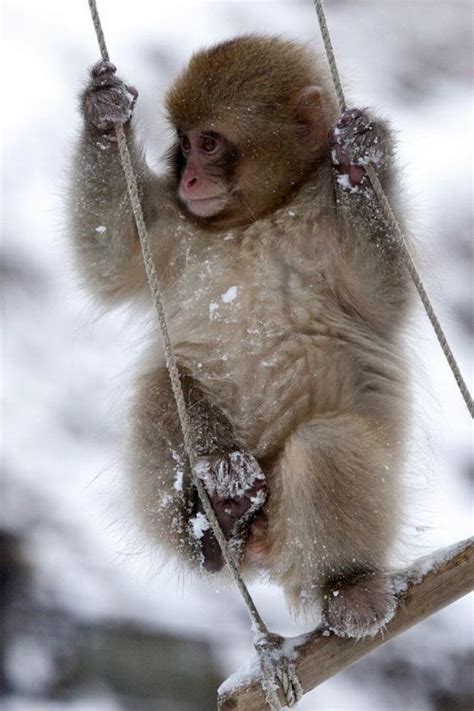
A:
310	113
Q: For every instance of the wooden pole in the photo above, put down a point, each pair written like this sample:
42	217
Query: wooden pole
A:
428	585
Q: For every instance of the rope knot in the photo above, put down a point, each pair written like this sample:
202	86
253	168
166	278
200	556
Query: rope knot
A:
278	671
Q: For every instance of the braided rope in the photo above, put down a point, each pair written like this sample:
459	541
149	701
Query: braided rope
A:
284	672
291	685
323	26
394	225
418	282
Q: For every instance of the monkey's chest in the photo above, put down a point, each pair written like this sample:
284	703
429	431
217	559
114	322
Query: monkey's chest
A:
221	318
247	335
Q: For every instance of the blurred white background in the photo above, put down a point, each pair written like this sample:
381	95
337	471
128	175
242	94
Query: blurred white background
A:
66	368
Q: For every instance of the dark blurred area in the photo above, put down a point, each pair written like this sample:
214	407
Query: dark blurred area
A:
47	653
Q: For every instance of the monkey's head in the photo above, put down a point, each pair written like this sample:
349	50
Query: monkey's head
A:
252	117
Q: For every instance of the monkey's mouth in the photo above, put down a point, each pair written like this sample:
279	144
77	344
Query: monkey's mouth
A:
207	207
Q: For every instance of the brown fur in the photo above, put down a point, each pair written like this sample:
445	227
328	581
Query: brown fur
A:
227	89
304	368
204	95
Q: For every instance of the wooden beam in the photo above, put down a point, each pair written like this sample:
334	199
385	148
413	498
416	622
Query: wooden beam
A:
428	585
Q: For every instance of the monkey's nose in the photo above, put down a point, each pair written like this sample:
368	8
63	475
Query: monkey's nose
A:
191	182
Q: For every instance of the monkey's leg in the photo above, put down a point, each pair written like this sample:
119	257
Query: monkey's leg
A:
333	515
165	497
157	467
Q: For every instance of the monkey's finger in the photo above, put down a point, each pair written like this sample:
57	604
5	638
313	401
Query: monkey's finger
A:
340	157
132	94
246	469
213	470
356	175
108	107
103	67
133	91
213	560
333	137
105	76
348	117
236	508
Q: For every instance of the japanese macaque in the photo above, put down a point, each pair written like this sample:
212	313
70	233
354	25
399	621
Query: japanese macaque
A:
285	298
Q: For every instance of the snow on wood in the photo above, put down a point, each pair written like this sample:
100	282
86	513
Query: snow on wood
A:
426	586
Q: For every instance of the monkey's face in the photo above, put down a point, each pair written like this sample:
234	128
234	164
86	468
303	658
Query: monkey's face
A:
227	177
206	165
252	123
225	180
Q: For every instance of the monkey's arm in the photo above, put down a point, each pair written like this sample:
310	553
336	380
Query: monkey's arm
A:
102	223
357	140
103	229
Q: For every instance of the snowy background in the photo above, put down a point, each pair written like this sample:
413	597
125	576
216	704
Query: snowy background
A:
92	620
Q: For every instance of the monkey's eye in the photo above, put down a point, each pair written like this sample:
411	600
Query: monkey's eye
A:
209	142
185	143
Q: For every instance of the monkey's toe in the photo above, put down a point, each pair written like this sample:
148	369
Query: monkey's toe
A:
213	560
235	475
359	607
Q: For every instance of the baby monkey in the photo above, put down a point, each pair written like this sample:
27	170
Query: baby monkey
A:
285	298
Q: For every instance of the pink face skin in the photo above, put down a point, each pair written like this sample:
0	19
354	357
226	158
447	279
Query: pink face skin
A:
204	194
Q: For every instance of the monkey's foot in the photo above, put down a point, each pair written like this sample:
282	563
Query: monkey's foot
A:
359	607
108	101
235	476
237	490
355	142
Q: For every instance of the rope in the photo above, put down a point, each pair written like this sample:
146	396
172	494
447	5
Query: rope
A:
394	225
418	282
287	673
291	685
323	26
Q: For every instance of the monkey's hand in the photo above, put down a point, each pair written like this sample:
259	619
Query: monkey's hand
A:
237	489
356	140
107	100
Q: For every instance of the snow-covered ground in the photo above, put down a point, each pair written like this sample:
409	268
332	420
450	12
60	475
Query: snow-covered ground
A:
65	371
